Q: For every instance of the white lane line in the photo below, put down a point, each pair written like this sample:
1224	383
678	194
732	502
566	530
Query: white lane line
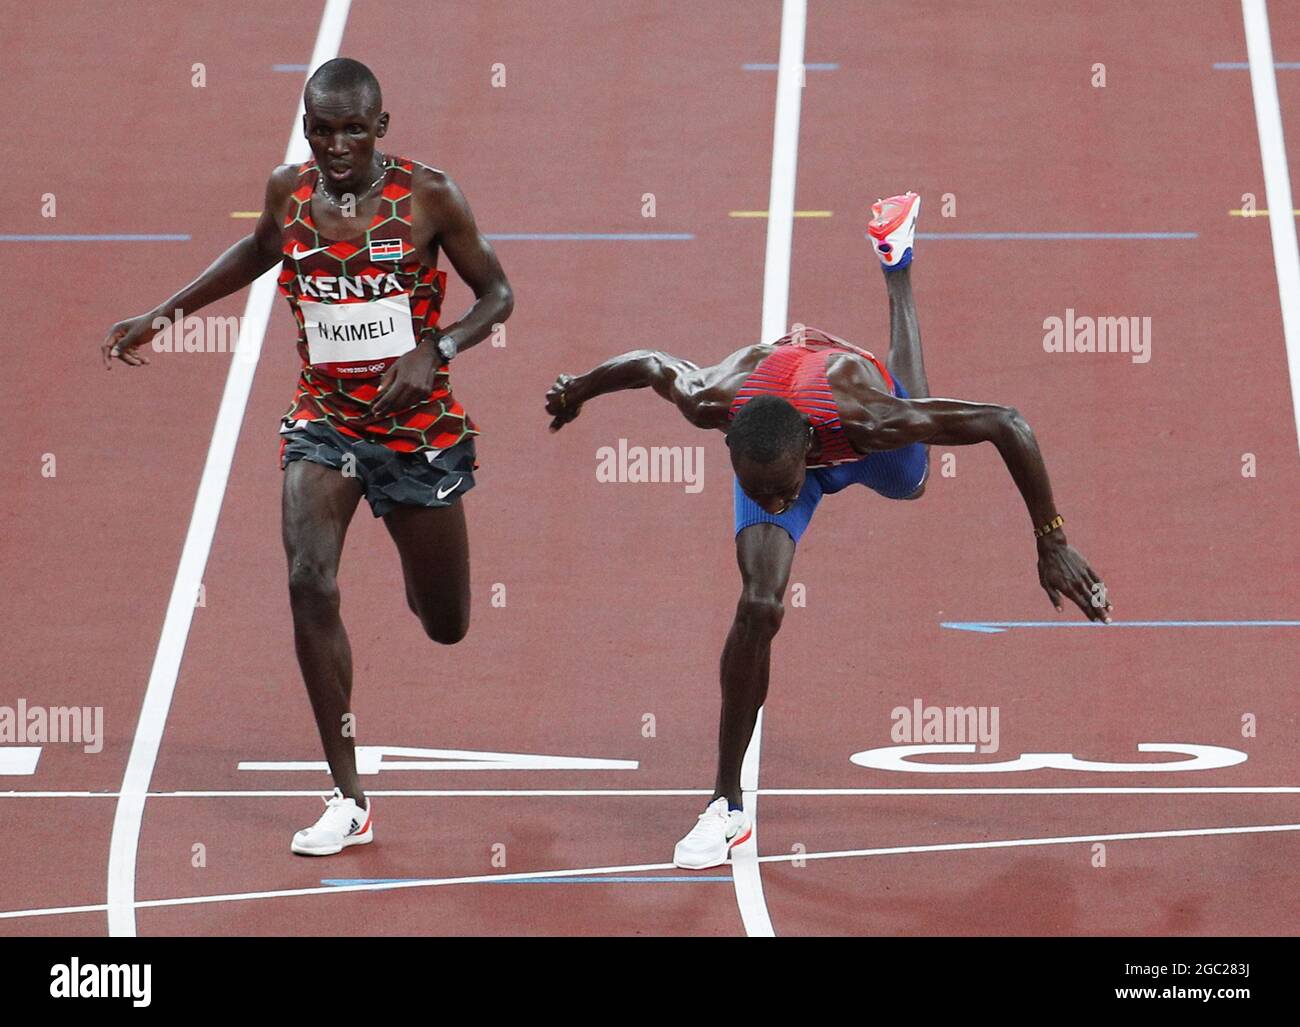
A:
121	904
1277	184
1017	843
1171	790
776	305
745	874
434	882
785	155
565	793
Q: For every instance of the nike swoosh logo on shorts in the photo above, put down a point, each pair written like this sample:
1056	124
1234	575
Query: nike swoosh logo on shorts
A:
444	495
300	254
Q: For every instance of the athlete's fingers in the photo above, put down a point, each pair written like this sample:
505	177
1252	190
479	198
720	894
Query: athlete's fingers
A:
1053	597
1090	606
1100	597
400	395
563	418
1082	596
1083	600
385	383
1091	589
1102	609
131	354
556	395
110	342
1095	584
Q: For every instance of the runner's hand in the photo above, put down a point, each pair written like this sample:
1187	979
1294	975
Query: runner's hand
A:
562	402
1062	570
408	381
125	337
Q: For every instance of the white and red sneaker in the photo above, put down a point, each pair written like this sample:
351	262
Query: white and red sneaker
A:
717	831
892	228
342	824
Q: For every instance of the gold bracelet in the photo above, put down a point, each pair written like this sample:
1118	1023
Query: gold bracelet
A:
1049	527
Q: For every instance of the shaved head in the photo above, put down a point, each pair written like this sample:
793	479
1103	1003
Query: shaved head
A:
344	77
769	441
766	429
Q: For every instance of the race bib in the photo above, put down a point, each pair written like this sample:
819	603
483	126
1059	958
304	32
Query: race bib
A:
354	339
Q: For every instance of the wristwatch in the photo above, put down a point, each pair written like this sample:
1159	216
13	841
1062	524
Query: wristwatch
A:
445	345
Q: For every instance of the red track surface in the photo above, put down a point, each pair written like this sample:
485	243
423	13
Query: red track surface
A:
618	596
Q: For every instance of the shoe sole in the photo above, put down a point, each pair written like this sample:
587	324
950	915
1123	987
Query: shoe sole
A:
881	231
709	866
356	839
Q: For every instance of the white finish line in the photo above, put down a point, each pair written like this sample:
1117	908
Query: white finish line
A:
194	900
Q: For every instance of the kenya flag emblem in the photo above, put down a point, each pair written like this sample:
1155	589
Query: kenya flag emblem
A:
386	249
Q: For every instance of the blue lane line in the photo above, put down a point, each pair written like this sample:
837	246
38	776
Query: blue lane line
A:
1245	65
774	67
692	879
996	627
1054	235
590	236
110	237
290	67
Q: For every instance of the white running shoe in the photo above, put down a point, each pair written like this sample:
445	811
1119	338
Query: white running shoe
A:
892	229
714	835
342	824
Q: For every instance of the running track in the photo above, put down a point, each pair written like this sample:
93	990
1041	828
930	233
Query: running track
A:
617	596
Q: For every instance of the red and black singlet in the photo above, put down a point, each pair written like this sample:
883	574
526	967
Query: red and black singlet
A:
796	371
361	303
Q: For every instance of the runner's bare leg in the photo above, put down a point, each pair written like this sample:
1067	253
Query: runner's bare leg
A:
317	507
905	361
433	543
765	553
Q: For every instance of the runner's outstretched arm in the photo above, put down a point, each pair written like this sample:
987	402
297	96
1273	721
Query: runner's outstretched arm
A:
702	394
673	378
881	422
238	267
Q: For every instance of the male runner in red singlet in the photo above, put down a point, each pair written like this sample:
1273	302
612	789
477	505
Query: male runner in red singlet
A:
357	234
805	416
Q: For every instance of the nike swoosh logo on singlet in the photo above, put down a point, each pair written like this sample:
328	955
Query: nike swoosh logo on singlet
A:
448	492
300	254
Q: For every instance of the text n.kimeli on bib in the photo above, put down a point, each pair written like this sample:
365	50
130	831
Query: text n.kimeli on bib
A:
345	339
